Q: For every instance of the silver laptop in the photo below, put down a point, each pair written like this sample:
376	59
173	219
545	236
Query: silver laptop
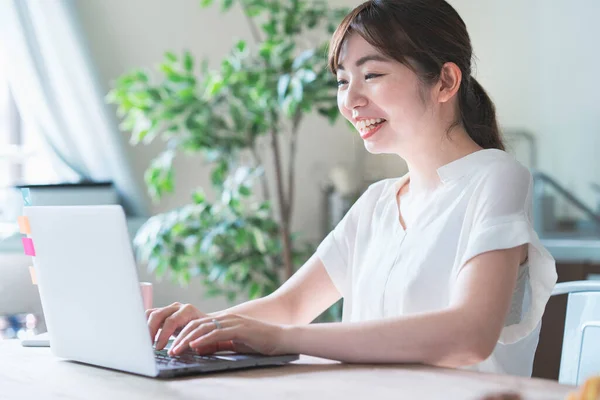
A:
91	298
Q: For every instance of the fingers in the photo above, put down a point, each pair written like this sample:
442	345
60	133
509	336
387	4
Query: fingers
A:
196	329
175	321
157	317
213	337
192	325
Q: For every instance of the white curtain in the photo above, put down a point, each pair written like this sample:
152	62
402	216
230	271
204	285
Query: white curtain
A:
56	88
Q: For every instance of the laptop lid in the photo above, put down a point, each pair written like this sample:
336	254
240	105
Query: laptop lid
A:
89	288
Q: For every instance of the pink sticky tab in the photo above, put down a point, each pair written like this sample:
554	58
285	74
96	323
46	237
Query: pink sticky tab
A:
24	225
28	246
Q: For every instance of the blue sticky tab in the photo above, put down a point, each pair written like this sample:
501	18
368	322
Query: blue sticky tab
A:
26	196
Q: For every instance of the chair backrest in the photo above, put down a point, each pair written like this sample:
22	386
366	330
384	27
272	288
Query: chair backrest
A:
581	341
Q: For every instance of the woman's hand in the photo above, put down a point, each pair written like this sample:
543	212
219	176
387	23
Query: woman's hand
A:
231	332
171	319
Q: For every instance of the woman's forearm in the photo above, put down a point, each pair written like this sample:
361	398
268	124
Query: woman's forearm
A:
269	309
442	338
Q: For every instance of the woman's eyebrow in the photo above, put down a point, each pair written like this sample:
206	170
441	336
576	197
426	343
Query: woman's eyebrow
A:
364	59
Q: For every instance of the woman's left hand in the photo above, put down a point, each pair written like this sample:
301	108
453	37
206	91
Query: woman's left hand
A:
231	332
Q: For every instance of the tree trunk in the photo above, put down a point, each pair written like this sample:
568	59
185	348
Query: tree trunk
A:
283	209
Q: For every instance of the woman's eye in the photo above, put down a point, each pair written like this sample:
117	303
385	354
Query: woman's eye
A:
370	76
341	82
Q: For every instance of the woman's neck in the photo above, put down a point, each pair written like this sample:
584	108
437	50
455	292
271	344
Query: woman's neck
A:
423	166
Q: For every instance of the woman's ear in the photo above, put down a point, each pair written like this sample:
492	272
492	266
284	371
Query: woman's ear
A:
449	83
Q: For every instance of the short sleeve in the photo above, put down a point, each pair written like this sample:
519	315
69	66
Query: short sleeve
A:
335	251
501	219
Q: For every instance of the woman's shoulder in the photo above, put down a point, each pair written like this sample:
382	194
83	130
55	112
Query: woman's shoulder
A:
503	171
503	181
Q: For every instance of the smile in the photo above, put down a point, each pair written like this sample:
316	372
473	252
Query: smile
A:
369	127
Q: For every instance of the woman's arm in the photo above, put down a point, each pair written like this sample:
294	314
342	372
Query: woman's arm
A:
465	333
298	301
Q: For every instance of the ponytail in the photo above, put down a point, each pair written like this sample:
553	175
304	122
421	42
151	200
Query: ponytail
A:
478	115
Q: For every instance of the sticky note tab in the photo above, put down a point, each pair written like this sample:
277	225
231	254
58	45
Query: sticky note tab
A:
26	196
24	225
28	246
32	273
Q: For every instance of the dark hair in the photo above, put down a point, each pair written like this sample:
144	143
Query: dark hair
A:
424	35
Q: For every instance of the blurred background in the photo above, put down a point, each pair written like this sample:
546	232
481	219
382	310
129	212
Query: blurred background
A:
58	136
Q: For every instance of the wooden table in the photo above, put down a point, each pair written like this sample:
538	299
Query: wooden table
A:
33	373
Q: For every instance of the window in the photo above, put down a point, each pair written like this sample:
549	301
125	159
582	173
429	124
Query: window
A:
24	155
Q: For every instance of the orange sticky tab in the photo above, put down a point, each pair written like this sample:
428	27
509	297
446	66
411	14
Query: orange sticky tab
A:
32	273
24	225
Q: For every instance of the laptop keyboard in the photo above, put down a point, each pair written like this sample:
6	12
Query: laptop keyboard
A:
187	358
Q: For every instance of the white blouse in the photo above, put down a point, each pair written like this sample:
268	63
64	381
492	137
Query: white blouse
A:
483	204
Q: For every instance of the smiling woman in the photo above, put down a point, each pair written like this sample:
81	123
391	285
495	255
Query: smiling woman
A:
441	266
397	47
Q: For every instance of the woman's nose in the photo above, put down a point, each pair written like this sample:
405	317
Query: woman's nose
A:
354	98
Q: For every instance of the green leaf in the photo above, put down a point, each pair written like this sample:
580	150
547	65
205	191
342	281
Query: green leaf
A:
245	191
188	62
259	240
253	11
199	196
303	58
241	46
297	89
219	173
170	56
306	75
270	28
254	291
265	51
206	3
226	5
142	76
214	86
289	106
282	85
265	206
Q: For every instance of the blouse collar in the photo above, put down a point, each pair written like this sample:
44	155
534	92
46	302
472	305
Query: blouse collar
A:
458	168
465	165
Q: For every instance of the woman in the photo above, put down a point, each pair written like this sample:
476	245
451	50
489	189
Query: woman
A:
441	266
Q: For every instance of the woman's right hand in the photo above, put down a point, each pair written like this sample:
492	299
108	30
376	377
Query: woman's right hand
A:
169	320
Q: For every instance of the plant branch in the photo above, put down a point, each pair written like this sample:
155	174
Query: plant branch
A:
292	162
283	207
242	257
253	28
277	159
263	178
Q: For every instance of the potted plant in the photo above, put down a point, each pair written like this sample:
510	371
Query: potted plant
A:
237	243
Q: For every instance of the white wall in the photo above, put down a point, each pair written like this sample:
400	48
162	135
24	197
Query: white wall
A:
539	61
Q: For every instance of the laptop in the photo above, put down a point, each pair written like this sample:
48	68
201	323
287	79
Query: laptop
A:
91	298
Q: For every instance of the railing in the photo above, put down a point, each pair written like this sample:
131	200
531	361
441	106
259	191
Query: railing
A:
540	177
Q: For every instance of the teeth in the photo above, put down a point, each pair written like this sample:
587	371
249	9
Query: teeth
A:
368	122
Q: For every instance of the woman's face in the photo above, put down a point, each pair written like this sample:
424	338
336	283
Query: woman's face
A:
382	98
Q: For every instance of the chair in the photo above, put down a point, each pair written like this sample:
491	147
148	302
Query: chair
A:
581	341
